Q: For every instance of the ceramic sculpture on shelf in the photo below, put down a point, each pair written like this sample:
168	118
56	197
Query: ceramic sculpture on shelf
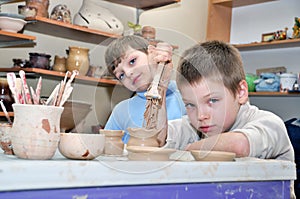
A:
94	16
296	28
61	13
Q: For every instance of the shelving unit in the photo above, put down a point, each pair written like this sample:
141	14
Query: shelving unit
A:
9	39
289	43
69	31
54	75
274	94
219	26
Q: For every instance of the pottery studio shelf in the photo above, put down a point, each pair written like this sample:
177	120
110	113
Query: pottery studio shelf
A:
59	75
275	94
10	39
237	3
288	43
69	31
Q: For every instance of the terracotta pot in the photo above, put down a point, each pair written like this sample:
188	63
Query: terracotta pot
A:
78	59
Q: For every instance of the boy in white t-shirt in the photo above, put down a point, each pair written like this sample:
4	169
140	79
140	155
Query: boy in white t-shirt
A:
211	80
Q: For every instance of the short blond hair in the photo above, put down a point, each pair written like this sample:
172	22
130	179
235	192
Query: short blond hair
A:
211	59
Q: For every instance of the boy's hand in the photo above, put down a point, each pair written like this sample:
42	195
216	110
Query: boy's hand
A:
161	53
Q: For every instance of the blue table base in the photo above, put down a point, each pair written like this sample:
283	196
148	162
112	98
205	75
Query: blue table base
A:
226	190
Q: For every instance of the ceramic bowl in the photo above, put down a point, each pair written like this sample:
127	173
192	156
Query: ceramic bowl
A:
144	153
212	155
10	24
74	112
81	146
5	138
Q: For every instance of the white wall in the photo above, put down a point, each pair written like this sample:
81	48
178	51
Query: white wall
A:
248	24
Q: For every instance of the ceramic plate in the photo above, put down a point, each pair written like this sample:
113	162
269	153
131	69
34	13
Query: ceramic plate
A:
12	15
149	153
212	155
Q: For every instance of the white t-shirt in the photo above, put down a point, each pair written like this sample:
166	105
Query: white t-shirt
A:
265	131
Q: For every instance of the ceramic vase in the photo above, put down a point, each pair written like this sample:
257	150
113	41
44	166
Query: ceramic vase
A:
35	136
78	59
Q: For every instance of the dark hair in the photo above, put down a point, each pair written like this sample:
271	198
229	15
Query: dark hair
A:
211	59
117	49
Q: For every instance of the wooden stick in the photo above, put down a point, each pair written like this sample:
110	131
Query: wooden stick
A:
5	112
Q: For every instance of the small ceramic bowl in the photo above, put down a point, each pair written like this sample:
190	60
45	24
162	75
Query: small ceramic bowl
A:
81	146
10	24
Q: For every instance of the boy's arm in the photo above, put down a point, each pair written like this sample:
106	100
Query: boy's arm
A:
235	142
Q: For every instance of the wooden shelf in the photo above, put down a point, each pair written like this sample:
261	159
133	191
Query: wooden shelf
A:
144	4
274	94
60	75
10	114
219	17
237	3
69	31
9	39
269	45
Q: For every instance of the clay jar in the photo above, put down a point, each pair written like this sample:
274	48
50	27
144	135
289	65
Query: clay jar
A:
5	94
142	137
113	142
78	59
59	64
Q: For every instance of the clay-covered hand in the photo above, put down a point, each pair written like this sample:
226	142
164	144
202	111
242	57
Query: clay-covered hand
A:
160	54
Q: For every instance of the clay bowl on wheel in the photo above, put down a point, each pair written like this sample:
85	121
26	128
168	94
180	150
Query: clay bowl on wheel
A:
74	112
81	146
